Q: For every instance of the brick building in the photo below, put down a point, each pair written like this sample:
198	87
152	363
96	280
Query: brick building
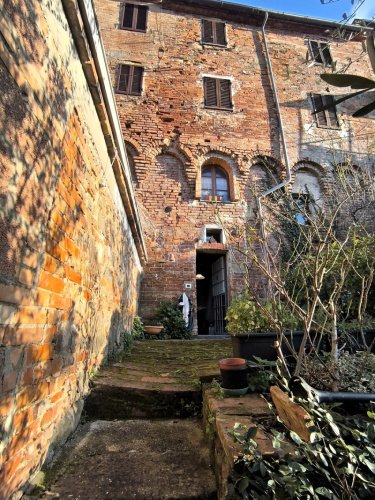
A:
215	102
71	243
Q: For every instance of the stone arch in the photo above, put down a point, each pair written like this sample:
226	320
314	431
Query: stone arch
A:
132	153
265	172
307	179
226	163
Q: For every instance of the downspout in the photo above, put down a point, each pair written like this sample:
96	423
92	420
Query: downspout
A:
285	151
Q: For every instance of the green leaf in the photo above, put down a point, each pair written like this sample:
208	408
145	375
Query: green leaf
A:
371	432
324	492
295	437
365	110
335	429
251	433
370	465
243	484
262	469
353	81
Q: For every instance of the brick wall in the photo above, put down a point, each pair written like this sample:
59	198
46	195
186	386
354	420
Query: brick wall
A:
171	135
69	271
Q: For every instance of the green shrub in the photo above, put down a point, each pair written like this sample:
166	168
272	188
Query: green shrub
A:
245	316
338	463
137	330
170	316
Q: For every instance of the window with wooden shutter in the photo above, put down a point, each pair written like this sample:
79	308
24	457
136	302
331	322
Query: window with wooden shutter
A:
129	79
213	32
326	118
320	52
134	17
217	93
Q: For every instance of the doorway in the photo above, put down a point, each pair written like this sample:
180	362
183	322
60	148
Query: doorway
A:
211	293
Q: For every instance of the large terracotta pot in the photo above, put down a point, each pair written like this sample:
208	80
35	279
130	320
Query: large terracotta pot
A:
152	329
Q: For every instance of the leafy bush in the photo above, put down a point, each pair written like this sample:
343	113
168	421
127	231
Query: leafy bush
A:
338	463
245	316
137	330
170	316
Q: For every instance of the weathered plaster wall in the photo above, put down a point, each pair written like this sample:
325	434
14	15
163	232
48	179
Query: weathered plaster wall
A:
69	270
171	134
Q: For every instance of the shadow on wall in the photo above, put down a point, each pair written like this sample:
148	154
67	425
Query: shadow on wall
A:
273	121
57	291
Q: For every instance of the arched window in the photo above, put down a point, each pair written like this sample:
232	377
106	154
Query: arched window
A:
215	183
307	194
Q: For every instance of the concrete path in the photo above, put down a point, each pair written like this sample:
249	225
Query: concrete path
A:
135	459
114	456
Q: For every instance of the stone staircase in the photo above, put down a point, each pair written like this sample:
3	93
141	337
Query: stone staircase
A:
142	435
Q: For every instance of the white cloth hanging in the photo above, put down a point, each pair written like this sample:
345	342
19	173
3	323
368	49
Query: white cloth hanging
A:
184	303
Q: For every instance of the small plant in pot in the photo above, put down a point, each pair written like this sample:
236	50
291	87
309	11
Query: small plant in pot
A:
152	327
255	327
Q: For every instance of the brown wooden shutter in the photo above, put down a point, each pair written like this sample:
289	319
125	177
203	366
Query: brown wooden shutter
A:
123	78
127	21
331	115
220	34
207	31
210	93
326	54
225	94
141	17
136	84
320	116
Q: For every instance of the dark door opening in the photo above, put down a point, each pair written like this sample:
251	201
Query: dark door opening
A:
211	293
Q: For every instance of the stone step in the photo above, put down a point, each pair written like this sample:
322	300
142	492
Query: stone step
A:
134	459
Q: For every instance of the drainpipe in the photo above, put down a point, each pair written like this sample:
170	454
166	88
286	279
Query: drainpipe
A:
285	151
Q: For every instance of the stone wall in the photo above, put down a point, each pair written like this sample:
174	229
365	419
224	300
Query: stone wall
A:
69	269
171	134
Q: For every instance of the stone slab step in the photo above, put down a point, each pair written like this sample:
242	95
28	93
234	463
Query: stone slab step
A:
134	459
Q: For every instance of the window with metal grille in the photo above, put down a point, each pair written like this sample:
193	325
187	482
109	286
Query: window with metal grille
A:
320	52
215	185
217	93
213	32
134	17
326	118
129	79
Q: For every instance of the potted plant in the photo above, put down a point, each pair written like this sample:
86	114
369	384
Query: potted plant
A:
153	327
255	327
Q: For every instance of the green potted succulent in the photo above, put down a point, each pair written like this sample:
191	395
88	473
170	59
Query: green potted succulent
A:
254	328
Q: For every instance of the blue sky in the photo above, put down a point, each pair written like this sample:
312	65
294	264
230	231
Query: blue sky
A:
314	8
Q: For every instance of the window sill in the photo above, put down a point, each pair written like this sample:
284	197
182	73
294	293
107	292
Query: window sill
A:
125	93
215	45
215	108
132	29
327	127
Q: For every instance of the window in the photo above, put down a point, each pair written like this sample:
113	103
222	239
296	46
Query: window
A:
217	93
213	32
326	118
129	79
215	185
134	17
302	207
320	52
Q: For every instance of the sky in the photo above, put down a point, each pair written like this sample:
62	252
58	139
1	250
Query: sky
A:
331	9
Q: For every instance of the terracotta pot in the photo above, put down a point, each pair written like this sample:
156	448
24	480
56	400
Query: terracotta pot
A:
232	364
233	373
152	329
